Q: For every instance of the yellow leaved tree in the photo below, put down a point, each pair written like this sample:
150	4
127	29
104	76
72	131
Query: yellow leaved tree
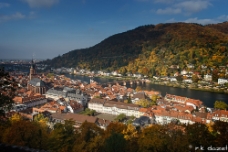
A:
41	119
130	132
15	117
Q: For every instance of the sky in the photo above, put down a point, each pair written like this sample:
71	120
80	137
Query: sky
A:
44	29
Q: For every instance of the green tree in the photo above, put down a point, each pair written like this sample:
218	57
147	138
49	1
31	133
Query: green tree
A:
89	112
120	117
220	105
41	119
115	143
49	75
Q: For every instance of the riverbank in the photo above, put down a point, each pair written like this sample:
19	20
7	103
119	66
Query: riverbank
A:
208	98
192	86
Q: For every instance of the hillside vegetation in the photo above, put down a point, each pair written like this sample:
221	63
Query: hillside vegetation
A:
151	49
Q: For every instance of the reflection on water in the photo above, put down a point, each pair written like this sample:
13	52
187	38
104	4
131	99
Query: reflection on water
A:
208	98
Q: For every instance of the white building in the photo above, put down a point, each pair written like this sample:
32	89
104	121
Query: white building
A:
114	108
208	77
187	80
222	81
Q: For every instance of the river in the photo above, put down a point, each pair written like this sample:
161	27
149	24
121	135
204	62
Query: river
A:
208	98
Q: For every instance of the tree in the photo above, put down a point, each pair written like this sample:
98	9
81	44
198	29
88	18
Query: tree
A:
154	99
26	133
125	101
89	138
198	135
220	105
7	89
153	138
115	143
220	130
120	117
50	75
89	131
215	75
179	141
63	136
195	78
41	119
179	78
89	112
138	88
114	127
130	132
15	117
143	102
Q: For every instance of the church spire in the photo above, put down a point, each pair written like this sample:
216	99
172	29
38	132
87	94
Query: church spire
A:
32	69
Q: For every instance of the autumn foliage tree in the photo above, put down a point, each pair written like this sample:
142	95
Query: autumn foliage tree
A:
7	89
220	105
27	134
143	102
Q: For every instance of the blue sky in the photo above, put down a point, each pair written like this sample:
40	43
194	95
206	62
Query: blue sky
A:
48	28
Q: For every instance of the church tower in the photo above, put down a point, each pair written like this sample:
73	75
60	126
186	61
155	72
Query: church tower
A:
35	84
32	70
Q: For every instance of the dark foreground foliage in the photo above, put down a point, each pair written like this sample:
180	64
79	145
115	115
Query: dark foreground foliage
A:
117	137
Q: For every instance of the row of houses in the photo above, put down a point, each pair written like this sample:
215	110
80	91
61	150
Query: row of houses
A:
183	100
180	109
188	79
32	101
162	116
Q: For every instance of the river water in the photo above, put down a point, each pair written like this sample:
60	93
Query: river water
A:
208	98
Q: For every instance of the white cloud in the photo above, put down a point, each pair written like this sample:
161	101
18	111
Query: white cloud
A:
4	5
16	16
223	17
41	3
193	6
201	21
169	11
186	7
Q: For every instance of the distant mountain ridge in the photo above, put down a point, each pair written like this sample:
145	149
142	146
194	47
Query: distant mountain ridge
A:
150	47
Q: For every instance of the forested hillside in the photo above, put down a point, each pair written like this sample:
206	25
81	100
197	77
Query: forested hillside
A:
152	49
